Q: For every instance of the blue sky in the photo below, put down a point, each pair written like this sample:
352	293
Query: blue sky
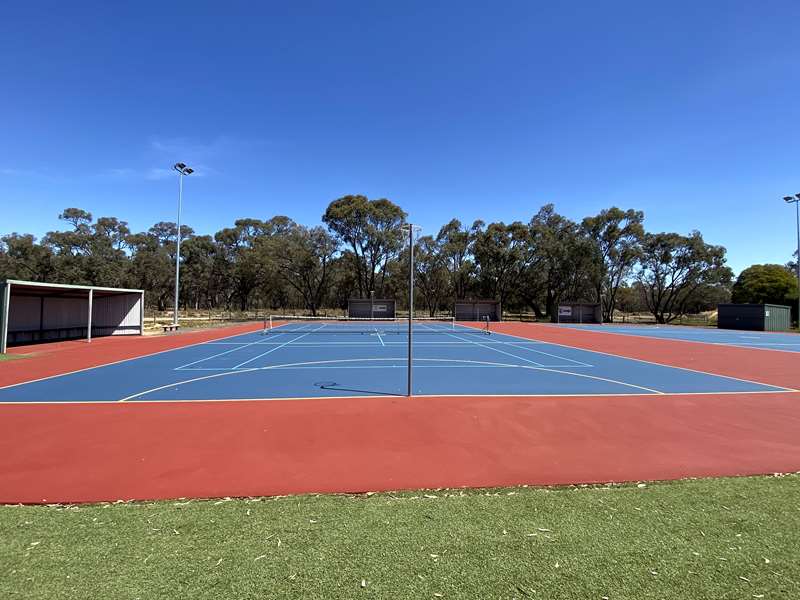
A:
689	111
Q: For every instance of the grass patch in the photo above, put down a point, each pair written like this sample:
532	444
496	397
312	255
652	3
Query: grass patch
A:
724	538
11	356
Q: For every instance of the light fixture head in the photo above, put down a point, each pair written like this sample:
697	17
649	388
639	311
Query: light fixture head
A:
788	198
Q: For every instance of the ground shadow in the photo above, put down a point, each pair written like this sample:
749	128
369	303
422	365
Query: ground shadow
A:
335	387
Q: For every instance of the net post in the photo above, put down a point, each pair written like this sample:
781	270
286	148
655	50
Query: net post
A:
411	305
411	228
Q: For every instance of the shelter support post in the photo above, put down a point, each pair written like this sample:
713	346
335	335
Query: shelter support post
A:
89	319
5	307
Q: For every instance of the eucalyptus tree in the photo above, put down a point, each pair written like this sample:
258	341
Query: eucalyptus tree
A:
432	279
499	250
371	231
618	236
455	242
564	260
674	269
303	257
22	258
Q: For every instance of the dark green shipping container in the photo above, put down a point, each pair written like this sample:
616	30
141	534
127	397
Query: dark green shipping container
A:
754	317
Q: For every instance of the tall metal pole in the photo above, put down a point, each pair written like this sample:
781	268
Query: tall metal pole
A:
796	200
182	170
797	262
178	251
410	304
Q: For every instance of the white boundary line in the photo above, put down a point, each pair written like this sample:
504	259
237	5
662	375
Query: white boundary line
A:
650	362
391	396
117	362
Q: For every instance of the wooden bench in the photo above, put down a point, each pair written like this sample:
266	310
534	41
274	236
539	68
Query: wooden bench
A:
167	328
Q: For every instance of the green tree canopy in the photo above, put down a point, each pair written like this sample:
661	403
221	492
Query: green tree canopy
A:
765	284
371	230
676	269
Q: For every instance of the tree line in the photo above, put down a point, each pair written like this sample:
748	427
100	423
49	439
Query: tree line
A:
360	248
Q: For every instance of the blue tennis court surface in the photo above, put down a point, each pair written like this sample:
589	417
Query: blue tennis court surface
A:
788	342
319	360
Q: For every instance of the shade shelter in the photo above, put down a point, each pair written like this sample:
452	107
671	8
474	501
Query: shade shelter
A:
32	312
578	312
477	310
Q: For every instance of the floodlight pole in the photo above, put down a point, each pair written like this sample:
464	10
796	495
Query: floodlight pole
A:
182	170
411	228
796	201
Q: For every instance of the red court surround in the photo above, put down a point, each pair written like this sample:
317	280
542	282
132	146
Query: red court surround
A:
109	451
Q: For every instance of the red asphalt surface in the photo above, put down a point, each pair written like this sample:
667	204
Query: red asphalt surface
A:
110	451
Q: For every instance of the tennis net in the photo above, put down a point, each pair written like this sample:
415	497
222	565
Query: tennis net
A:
278	324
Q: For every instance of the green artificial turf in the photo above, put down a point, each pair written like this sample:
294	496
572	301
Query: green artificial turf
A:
709	539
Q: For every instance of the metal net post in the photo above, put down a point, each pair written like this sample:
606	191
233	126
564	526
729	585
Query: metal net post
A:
411	227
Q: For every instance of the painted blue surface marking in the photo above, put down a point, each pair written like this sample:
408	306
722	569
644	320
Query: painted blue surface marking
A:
312	363
789	342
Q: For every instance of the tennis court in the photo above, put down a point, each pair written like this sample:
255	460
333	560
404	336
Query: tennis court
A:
312	358
766	340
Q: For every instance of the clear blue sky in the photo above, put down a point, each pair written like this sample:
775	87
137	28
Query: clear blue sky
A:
689	111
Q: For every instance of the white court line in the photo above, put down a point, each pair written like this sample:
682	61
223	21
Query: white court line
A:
661	337
496	350
380	338
216	355
650	362
278	347
757	344
487	397
271	367
577	362
417	342
124	360
403	365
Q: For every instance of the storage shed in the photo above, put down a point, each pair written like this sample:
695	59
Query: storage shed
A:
33	312
754	317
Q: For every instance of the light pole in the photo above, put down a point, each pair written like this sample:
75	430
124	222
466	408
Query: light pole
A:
796	201
182	170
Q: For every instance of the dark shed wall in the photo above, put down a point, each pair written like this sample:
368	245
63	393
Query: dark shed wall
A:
477	310
741	316
365	308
